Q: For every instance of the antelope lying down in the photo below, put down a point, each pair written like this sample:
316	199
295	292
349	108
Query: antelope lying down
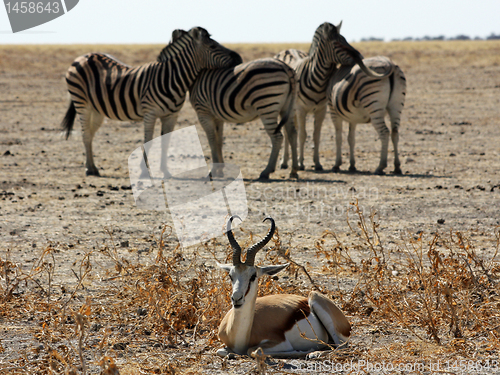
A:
283	325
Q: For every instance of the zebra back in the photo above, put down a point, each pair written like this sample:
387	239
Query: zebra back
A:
291	57
354	95
121	92
236	93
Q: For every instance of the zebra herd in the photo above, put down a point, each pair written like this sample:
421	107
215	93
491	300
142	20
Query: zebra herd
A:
280	91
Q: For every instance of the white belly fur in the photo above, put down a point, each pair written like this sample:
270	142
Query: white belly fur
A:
311	328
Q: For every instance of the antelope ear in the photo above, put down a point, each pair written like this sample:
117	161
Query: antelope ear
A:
271	270
225	267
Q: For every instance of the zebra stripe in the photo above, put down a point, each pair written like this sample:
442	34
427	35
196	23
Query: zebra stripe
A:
314	70
101	86
264	88
357	98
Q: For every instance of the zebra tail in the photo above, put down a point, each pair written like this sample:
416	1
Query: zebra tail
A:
69	119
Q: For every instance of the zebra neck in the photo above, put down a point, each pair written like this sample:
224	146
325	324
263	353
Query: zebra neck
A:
180	57
320	70
184	66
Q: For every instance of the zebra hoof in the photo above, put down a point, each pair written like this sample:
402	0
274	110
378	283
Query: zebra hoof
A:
336	169
294	175
352	169
284	166
301	167
397	171
92	172
264	176
380	172
318	167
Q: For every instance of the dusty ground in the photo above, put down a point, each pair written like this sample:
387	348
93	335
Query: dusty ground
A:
449	148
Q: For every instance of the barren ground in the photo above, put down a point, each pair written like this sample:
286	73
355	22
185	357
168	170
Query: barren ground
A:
449	148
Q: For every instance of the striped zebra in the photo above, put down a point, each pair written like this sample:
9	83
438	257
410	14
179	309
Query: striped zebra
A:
264	88
101	86
357	98
314	71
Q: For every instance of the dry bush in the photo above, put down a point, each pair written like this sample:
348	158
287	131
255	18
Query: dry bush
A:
160	314
171	308
439	291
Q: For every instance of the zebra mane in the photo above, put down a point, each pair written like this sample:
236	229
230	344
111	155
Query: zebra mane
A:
318	36
172	48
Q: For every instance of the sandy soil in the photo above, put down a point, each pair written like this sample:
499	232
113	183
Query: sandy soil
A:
449	148
449	151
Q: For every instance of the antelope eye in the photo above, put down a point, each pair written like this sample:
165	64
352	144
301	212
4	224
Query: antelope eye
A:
252	279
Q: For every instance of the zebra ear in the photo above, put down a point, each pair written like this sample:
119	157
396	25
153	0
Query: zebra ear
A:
329	31
339	26
199	33
176	34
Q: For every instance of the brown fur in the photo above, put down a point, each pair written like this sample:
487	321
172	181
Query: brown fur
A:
274	315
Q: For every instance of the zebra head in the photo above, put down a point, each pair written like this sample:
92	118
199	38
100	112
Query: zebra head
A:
211	54
337	50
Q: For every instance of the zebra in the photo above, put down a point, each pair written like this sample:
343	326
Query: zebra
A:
101	86
357	98
314	70
264	88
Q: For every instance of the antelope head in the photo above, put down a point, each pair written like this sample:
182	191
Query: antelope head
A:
244	275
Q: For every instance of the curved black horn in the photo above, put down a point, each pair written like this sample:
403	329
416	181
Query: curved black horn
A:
252	251
236	247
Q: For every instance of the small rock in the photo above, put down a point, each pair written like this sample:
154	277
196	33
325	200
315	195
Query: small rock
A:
441	221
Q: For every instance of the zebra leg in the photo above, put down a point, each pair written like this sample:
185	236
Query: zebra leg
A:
286	152
352	142
218	167
319	116
291	138
90	121
337	122
395	118
213	130
167	126
300	117
383	132
276	136
149	128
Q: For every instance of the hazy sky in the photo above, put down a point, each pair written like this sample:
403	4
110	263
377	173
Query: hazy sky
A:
152	21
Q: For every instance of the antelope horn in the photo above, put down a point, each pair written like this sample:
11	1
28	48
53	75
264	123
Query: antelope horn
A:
252	251
236	247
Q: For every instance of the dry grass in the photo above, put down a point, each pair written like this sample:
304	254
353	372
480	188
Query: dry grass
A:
23	58
437	297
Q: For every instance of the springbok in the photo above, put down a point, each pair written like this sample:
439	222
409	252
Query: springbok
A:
282	325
